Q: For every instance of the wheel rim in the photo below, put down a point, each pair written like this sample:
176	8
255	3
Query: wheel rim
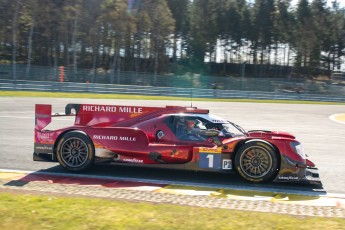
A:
256	162
74	152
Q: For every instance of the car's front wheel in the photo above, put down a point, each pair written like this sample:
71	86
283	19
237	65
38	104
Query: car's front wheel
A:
75	151
256	161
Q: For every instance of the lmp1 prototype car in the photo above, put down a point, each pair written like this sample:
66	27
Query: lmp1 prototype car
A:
170	137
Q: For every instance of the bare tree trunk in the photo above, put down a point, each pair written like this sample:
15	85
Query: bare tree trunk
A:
118	63
156	54
138	53
94	63
14	40
113	64
181	48
225	61
55	60
66	61
28	65
288	63
74	44
156	64
175	47
95	53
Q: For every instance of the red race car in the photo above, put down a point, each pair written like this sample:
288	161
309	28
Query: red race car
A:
170	137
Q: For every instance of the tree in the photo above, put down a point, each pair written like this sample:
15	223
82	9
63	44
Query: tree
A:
179	10
119	28
142	41
91	27
321	24
162	28
28	18
17	6
284	31
6	11
336	48
230	30
203	32
159	35
304	34
263	16
72	11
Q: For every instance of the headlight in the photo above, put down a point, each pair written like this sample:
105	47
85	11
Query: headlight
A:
298	147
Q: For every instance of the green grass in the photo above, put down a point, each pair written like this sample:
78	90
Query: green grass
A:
20	211
143	97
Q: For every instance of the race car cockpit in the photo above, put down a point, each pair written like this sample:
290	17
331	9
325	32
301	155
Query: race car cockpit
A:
195	128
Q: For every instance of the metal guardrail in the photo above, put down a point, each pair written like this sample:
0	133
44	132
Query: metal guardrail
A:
49	86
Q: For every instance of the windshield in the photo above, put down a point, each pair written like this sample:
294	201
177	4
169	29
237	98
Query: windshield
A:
231	130
226	128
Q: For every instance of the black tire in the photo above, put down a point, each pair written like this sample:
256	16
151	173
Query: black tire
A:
256	161
75	151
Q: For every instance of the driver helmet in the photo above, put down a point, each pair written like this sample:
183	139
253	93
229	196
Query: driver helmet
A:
191	124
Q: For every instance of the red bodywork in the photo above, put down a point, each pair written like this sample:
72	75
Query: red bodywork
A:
147	135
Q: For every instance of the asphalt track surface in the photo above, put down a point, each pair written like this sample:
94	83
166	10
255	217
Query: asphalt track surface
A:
322	137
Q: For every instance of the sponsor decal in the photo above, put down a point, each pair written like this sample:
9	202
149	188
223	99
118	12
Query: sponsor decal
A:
44	136
288	177
38	115
218	121
160	134
213	161
132	160
103	137
210	150
43	148
127	138
114	138
130	110
227	165
98	108
111	109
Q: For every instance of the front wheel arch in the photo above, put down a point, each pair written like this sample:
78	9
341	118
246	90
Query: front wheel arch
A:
263	167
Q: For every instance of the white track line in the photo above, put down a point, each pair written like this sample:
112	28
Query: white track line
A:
19	117
33	117
333	118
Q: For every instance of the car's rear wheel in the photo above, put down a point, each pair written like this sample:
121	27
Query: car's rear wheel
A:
256	161
75	151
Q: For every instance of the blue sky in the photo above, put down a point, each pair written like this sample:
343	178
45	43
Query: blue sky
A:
341	2
329	2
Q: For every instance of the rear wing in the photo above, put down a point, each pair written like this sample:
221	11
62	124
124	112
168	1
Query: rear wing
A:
43	115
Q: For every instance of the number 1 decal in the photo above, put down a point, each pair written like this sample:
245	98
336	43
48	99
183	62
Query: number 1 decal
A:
212	161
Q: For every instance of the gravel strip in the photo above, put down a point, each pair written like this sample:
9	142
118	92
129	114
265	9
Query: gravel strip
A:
190	200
